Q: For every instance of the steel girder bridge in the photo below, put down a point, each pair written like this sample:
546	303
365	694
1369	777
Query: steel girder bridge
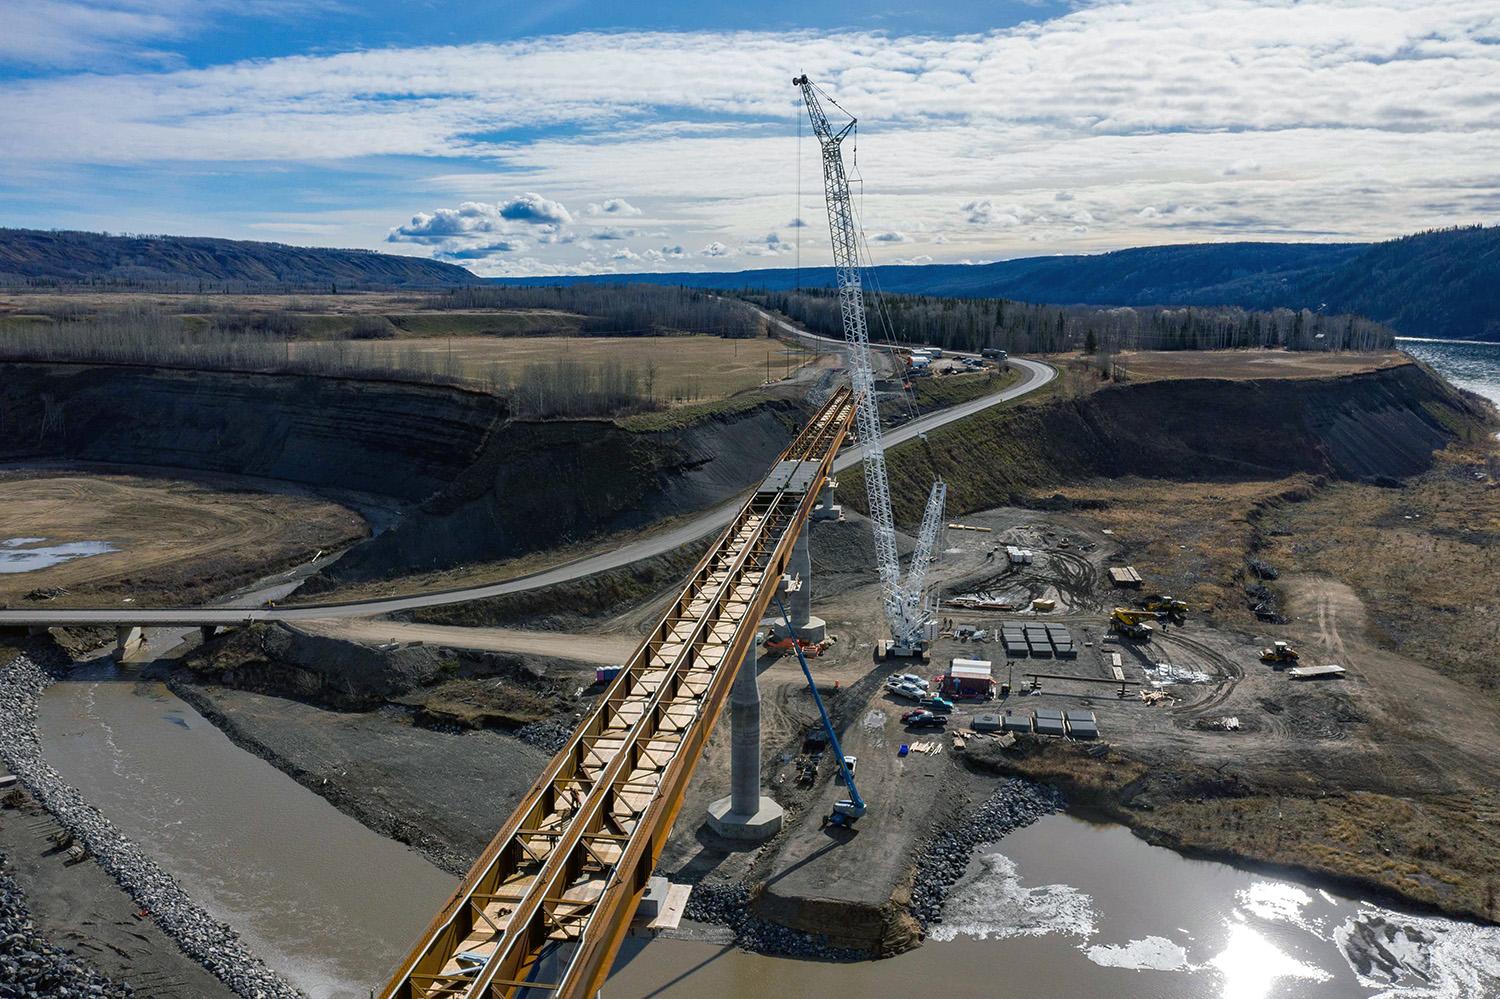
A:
544	910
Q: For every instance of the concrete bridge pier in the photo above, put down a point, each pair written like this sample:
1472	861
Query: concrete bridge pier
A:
208	631
745	815
799	596
128	640
826	508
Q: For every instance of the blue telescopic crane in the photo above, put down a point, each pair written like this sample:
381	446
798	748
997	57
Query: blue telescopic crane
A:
846	810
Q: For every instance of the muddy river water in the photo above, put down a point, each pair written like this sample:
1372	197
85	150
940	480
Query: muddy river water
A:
1063	908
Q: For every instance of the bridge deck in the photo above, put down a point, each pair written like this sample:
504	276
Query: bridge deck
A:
545	908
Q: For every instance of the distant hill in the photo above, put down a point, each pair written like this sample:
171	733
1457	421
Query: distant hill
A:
1444	283
40	257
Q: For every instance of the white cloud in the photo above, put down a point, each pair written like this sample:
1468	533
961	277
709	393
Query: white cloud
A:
1381	116
1083	217
1149	212
472	218
891	236
717	249
614	206
626	253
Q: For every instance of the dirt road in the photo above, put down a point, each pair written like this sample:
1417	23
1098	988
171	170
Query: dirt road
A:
606	650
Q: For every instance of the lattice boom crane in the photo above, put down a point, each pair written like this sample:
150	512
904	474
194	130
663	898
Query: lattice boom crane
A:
906	607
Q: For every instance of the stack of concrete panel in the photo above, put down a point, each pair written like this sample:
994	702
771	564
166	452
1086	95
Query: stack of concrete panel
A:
1062	641
1014	639
1038	642
1050	721
1082	724
1017	721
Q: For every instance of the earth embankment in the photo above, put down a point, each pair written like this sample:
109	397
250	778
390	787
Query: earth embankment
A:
1377	426
472	485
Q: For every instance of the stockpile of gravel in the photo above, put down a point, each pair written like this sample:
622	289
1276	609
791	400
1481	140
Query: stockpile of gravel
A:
211	943
728	904
945	858
30	968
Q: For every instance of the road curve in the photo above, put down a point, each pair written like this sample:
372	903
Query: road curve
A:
1035	374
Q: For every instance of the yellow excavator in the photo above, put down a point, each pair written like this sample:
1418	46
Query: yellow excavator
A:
1134	623
1165	602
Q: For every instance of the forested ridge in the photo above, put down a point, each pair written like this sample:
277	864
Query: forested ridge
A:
971	324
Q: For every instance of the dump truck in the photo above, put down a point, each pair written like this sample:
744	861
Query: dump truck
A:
1134	623
1279	652
1165	602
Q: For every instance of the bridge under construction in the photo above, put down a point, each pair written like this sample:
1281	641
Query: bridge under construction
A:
546	906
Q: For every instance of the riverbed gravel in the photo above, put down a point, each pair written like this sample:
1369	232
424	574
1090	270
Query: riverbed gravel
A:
208	941
942	861
31	968
728	904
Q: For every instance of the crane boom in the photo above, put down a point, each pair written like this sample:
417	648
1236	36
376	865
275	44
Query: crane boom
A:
904	606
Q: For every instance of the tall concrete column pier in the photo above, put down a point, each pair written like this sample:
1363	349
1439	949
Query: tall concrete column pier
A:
799	598
745	815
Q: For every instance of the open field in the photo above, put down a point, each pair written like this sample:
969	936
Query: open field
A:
670	368
175	541
1241	365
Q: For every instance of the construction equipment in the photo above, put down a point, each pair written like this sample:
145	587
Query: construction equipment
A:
787	644
845	810
1134	623
1279	652
908	611
1165	602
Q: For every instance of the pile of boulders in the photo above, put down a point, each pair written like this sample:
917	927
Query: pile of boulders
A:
206	940
942	861
728	904
548	736
31	968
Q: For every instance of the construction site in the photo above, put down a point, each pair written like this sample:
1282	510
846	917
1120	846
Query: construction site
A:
770	673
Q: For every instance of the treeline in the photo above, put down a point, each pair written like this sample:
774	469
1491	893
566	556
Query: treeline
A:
618	310
971	324
144	335
259	342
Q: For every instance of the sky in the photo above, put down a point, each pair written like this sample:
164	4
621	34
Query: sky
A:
555	136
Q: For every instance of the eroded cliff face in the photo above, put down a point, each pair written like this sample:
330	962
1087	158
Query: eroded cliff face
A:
539	485
388	439
474	485
1379	426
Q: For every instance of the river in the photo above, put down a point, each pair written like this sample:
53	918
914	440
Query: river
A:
319	897
1063	908
1468	364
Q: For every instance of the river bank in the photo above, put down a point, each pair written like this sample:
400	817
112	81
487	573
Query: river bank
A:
205	939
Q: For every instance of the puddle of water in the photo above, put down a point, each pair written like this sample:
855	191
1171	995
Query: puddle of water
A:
30	554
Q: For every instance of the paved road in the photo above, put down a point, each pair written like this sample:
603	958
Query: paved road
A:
1034	375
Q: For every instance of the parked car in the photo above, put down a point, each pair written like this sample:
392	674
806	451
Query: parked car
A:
937	704
907	691
923	719
911	678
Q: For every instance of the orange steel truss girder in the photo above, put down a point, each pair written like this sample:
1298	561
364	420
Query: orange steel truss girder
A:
556	888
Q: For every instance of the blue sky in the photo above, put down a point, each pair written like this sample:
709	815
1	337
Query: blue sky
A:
580	137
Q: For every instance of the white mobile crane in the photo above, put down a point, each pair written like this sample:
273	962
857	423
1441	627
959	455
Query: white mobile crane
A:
908	611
